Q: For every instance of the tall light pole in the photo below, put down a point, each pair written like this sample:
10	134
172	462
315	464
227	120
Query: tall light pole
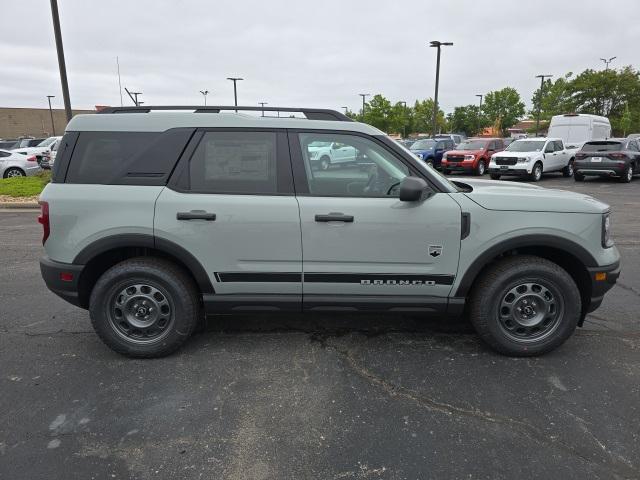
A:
479	111
204	94
346	109
437	44
262	104
235	90
607	62
364	96
61	64
541	77
404	118
53	126
479	95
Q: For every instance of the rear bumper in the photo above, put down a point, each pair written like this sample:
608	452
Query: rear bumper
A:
52	274
600	287
600	169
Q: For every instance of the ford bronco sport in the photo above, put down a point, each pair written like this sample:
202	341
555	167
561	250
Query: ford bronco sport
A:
157	216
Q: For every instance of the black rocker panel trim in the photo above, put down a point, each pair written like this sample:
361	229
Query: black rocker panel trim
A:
359	278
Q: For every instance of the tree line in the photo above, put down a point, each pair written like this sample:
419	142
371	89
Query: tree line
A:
612	93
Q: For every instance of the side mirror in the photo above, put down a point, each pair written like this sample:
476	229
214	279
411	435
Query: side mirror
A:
412	188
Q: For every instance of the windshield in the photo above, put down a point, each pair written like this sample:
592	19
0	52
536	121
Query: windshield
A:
47	142
423	145
602	146
526	146
472	145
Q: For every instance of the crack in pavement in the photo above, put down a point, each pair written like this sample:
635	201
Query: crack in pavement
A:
614	465
628	288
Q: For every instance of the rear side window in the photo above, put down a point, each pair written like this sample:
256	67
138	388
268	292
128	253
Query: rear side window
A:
126	158
235	162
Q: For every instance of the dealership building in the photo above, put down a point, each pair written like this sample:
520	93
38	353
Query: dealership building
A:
33	122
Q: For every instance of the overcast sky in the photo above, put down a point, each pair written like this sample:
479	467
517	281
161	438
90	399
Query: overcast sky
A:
304	53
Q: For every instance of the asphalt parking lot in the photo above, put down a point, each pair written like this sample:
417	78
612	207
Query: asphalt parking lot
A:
323	397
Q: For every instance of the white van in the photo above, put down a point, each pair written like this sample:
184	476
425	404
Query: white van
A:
576	129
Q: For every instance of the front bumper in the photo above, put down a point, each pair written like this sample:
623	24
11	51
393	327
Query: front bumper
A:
602	280
53	274
458	166
510	169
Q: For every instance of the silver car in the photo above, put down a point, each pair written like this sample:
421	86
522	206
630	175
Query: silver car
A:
14	164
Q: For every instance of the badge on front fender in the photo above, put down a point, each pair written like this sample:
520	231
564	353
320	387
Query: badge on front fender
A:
435	250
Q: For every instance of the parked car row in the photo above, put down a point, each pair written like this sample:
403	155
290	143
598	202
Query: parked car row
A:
43	149
14	164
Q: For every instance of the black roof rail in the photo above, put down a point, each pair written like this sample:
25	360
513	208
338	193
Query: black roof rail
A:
310	113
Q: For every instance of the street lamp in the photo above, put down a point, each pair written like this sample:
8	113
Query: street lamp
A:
346	109
479	111
61	64
607	62
204	94
541	77
479	95
262	104
404	119
437	44
364	96
235	90
53	127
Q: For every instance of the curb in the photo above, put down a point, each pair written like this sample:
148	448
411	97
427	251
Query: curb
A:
19	205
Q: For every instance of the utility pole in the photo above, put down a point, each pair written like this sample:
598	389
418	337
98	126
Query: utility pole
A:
607	62
61	64
262	104
437	44
53	127
119	80
541	77
364	96
235	90
204	94
479	112
404	118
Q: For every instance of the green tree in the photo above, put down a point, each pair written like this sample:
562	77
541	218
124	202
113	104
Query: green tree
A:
378	112
503	107
556	98
467	119
423	117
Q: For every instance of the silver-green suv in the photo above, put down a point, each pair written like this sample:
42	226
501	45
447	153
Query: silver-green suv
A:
157	216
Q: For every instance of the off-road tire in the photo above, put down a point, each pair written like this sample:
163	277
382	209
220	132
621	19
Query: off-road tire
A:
568	171
178	288
534	176
492	287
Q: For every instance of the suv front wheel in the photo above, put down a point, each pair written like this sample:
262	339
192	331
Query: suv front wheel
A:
525	305
144	307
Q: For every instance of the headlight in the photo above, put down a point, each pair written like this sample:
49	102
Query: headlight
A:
444	156
524	159
313	154
419	155
469	157
607	241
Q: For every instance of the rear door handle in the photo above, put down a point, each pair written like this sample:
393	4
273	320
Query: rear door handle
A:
334	217
196	215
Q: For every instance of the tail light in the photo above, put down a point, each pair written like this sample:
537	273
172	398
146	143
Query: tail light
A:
32	158
580	156
43	220
617	156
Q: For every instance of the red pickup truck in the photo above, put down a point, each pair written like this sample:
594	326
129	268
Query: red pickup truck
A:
472	155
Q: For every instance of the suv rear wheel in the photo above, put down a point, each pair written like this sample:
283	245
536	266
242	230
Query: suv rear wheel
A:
144	307
525	305
627	175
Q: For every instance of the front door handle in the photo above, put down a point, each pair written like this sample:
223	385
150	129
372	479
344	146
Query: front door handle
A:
196	215
334	217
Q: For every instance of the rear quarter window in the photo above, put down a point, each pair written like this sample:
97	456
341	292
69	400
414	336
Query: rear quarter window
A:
126	158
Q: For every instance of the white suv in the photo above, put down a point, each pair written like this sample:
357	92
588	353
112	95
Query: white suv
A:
531	157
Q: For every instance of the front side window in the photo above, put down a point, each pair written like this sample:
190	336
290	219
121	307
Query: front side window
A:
235	162
362	169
